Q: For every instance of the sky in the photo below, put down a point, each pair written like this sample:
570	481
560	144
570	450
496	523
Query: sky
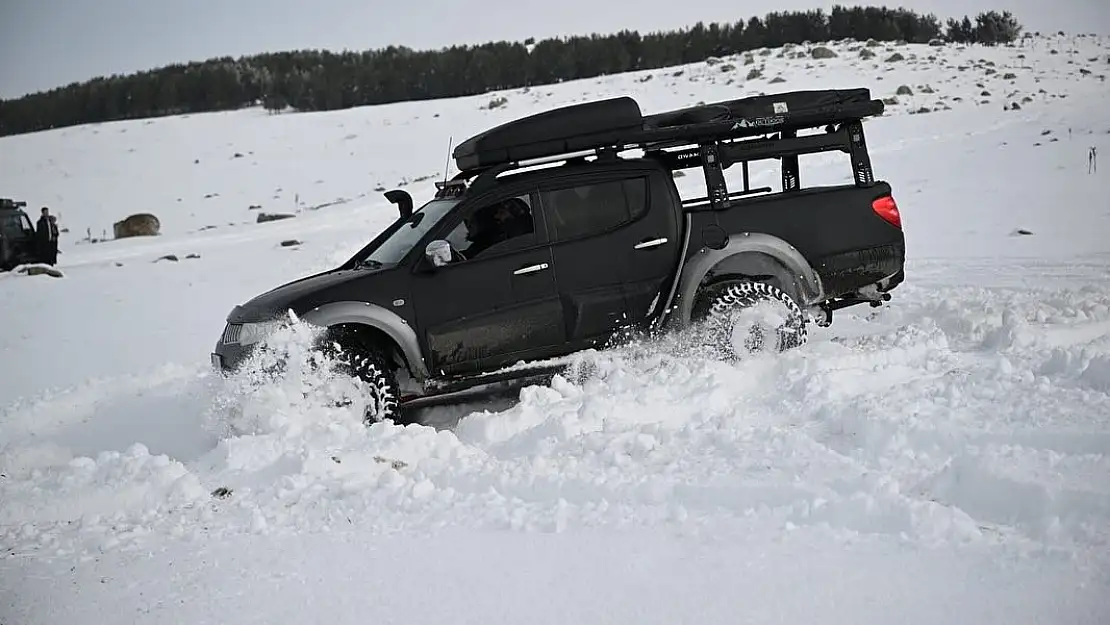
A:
50	43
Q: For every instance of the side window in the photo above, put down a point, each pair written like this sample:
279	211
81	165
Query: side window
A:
494	228
635	192
593	209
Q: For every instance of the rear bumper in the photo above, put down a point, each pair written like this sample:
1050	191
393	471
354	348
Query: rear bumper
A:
894	281
847	273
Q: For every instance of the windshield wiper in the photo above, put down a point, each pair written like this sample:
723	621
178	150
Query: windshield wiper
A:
369	263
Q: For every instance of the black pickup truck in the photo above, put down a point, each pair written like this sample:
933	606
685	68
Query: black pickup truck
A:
566	228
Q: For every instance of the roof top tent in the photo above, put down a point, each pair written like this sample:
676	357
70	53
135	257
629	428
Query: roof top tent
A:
713	136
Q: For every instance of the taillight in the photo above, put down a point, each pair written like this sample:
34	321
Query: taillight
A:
887	208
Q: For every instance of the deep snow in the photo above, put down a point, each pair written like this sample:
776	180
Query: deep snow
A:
945	458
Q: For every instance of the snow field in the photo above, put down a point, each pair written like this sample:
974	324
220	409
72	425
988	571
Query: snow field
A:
928	424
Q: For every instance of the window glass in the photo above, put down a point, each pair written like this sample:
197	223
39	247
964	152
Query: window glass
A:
494	228
590	210
635	191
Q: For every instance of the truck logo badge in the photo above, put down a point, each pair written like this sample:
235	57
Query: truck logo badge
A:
759	121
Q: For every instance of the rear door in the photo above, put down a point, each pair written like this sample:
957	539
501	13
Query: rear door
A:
610	252
651	242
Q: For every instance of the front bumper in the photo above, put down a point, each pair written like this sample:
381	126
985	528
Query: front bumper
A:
227	358
229	352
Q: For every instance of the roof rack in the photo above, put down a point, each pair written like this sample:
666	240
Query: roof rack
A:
617	124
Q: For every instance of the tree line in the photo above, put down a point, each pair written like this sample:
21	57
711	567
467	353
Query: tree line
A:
316	80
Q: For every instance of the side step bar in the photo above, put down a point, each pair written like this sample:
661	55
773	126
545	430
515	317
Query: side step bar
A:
483	386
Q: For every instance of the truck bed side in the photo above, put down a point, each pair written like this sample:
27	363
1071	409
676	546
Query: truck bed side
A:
835	227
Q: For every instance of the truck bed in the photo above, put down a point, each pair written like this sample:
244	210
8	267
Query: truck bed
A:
834	227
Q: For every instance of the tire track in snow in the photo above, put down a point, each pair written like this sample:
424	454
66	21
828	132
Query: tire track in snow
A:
931	438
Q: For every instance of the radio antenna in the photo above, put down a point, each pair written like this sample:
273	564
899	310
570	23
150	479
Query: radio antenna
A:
447	164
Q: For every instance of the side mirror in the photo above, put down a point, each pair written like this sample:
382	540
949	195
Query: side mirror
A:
402	199
438	253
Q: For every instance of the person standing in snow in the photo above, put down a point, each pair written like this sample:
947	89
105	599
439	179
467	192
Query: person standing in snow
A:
47	235
1092	160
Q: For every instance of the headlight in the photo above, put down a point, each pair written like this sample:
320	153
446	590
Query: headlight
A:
252	333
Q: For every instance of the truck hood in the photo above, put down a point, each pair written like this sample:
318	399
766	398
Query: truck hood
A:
298	295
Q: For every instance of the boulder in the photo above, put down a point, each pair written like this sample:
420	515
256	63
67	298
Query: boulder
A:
140	225
265	217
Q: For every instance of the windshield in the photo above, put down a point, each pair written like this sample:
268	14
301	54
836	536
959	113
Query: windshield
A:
393	249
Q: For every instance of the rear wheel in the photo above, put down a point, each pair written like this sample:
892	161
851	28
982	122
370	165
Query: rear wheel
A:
741	317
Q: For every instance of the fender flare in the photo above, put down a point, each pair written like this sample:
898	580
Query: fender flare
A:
377	317
750	253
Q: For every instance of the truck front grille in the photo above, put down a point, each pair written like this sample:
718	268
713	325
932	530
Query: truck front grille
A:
231	333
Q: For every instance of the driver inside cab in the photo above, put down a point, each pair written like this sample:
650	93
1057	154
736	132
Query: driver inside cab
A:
497	224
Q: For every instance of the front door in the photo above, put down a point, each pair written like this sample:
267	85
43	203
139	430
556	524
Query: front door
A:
495	303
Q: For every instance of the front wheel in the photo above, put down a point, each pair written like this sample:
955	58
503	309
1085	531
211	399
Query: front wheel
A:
378	391
744	317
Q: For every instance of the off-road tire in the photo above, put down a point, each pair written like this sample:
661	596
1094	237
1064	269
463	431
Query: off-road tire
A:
719	303
369	364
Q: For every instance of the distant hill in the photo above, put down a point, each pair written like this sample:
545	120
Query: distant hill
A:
314	80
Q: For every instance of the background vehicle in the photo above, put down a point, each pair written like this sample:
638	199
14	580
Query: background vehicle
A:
17	235
550	240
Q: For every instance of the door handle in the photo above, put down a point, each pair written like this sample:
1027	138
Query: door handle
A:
643	245
531	269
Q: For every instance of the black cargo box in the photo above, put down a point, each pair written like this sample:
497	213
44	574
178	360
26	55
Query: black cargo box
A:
558	131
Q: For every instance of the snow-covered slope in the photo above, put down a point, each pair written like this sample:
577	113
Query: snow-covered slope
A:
943	459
